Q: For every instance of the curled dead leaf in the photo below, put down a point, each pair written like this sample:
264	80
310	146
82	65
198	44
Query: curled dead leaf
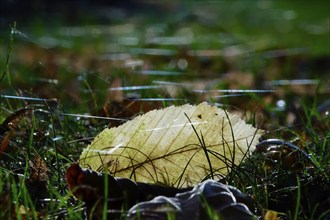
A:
150	201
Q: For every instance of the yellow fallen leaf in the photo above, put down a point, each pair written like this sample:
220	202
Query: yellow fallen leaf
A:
271	215
174	146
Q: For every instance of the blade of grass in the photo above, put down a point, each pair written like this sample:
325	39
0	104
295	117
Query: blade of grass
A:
105	201
202	142
296	213
6	71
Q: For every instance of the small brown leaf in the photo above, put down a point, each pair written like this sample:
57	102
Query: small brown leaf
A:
4	141
89	186
38	170
13	119
9	124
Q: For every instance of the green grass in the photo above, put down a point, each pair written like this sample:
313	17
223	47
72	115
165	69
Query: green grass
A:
73	72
